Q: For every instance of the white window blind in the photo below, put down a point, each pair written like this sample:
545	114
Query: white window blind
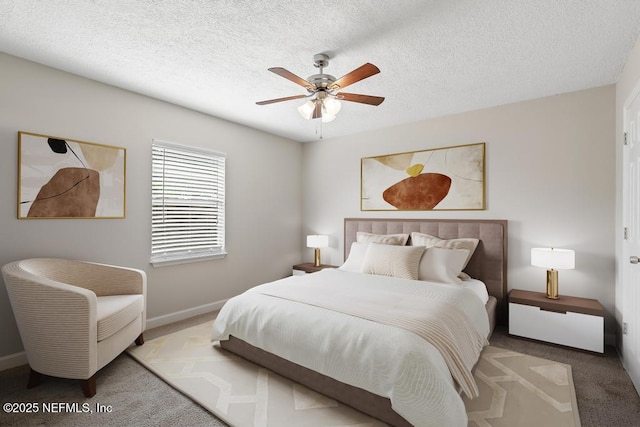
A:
188	203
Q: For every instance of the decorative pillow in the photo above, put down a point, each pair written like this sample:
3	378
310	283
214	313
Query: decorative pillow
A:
429	241
356	257
442	265
387	239
392	260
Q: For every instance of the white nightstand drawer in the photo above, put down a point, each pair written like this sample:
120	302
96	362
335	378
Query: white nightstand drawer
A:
571	329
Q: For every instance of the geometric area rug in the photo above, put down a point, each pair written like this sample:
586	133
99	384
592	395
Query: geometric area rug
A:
522	390
515	389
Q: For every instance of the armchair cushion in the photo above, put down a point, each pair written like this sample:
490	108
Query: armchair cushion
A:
117	311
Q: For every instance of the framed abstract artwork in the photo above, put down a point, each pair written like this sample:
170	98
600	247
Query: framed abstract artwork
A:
449	178
64	178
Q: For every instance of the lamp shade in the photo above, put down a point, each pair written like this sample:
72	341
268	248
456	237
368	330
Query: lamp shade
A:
331	106
306	109
317	241
326	118
552	258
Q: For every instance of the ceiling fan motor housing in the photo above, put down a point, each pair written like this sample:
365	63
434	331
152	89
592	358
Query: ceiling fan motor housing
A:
321	81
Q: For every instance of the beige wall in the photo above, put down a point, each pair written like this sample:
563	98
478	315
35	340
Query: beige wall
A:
550	171
263	189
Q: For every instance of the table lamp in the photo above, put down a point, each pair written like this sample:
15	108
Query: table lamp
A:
317	241
553	260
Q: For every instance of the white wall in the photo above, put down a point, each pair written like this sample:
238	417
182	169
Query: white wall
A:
550	171
627	87
263	189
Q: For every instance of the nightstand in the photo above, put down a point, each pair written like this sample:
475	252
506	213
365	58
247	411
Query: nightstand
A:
570	321
308	267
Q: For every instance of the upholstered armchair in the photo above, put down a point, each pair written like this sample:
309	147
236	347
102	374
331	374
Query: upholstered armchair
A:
74	317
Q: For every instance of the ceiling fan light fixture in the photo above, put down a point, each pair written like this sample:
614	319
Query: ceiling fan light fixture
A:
306	109
326	118
331	106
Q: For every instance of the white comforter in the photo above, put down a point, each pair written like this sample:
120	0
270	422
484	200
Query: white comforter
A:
384	360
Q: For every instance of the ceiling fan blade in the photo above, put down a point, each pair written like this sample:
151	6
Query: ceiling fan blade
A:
292	77
363	99
288	98
317	111
360	73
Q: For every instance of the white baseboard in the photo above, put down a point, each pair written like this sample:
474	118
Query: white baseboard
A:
184	314
13	360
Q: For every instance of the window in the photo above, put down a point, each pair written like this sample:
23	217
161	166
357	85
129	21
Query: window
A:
188	203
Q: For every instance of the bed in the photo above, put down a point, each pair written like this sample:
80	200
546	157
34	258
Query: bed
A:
333	355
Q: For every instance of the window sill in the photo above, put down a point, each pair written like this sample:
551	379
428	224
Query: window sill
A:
162	262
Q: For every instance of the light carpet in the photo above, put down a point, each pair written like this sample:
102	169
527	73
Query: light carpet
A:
515	389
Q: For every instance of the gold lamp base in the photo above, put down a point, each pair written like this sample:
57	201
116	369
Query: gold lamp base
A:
316	257
552	284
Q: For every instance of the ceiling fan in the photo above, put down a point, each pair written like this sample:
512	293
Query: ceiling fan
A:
324	89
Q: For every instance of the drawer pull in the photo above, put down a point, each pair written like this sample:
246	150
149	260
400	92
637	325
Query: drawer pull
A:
553	311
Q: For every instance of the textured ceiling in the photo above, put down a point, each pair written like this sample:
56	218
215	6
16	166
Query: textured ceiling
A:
436	57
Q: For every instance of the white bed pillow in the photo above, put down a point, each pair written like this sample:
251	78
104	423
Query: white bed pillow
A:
387	239
429	241
356	257
391	260
442	265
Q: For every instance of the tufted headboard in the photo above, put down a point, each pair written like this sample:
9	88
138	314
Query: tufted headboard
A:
489	261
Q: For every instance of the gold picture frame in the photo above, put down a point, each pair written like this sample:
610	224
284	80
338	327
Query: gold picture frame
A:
66	178
448	178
